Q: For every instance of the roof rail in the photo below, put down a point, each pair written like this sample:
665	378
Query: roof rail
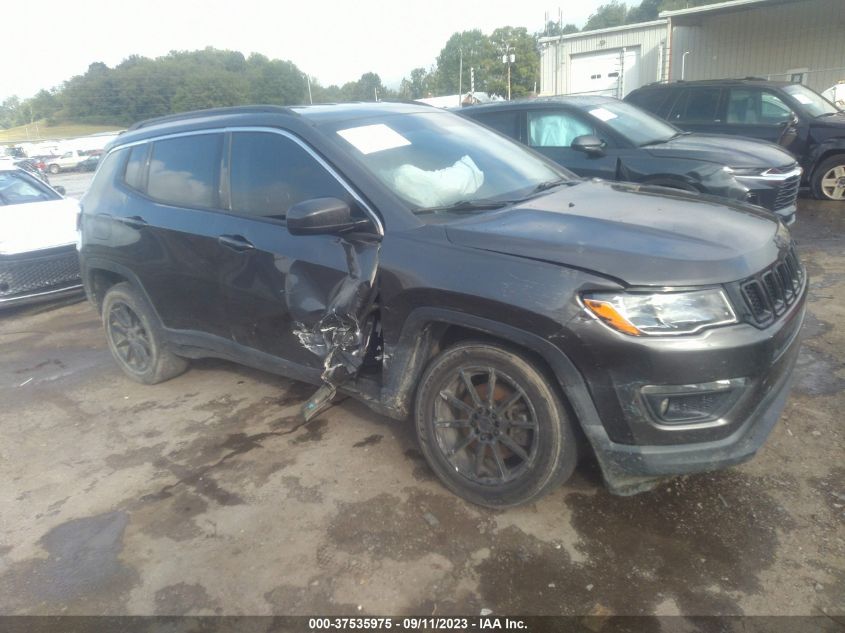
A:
196	114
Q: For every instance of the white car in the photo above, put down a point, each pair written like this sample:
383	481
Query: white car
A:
836	94
38	257
67	161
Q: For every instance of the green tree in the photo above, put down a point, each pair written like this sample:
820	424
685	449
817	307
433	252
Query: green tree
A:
554	28
477	51
645	11
525	70
607	15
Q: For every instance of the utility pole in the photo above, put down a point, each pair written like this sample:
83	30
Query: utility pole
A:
508	58
308	79
460	77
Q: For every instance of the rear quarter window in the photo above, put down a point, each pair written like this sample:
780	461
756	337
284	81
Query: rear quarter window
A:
651	100
506	123
136	171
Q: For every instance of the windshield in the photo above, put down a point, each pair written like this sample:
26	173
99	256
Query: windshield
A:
638	126
811	102
438	159
18	188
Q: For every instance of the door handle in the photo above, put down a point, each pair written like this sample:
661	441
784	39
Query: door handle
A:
236	242
135	221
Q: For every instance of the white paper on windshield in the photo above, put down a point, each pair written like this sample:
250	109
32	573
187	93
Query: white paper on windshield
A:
368	139
802	98
603	114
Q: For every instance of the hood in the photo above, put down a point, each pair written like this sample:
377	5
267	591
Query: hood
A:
639	235
834	122
37	225
726	150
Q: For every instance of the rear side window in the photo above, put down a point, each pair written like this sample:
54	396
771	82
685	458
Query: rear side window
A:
135	167
184	171
506	123
651	100
700	105
270	173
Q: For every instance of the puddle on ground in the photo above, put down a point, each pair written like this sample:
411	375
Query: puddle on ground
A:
81	574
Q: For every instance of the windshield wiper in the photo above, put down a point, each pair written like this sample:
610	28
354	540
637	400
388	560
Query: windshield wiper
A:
824	114
550	184
467	205
659	141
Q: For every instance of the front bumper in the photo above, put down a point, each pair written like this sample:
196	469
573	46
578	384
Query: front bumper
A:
629	469
777	193
39	275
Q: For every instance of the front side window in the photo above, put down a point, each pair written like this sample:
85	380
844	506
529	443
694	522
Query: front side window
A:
556	129
270	173
434	159
184	171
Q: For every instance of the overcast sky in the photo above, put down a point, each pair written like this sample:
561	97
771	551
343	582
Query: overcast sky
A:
49	41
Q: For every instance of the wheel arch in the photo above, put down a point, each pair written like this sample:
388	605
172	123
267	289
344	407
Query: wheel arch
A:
100	275
429	330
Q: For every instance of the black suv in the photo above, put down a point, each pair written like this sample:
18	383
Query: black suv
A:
602	137
802	121
434	269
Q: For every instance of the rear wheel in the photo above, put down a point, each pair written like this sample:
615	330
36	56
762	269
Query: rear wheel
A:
491	426
135	338
829	179
54	169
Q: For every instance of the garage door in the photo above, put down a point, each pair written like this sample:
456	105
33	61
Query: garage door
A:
599	73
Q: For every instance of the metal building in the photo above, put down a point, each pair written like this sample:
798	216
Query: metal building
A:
793	40
610	61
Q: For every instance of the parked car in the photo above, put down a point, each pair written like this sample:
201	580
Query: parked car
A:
38	257
836	94
435	269
602	137
89	164
33	166
68	161
802	121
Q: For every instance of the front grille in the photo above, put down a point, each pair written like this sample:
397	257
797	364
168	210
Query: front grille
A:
21	276
769	293
787	193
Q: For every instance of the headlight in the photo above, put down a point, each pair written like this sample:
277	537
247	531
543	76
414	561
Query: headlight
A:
663	313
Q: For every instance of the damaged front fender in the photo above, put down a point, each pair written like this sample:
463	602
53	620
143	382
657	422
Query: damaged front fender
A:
340	334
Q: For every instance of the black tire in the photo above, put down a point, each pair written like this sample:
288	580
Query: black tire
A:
54	169
828	181
135	337
525	449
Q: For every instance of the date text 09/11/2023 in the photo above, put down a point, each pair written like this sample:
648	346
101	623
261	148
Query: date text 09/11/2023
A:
412	624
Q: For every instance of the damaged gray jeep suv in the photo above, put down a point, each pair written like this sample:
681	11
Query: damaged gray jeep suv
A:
438	271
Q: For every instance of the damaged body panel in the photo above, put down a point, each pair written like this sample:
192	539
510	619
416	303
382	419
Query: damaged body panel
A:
522	304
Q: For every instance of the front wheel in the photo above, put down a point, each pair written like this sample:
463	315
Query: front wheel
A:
491	426
135	338
829	179
55	169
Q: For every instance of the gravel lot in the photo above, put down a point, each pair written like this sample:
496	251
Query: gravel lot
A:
207	495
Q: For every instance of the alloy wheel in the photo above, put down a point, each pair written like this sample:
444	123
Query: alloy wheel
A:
486	426
833	183
130	338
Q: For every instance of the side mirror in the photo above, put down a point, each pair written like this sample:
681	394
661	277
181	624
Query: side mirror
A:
322	216
589	144
60	189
